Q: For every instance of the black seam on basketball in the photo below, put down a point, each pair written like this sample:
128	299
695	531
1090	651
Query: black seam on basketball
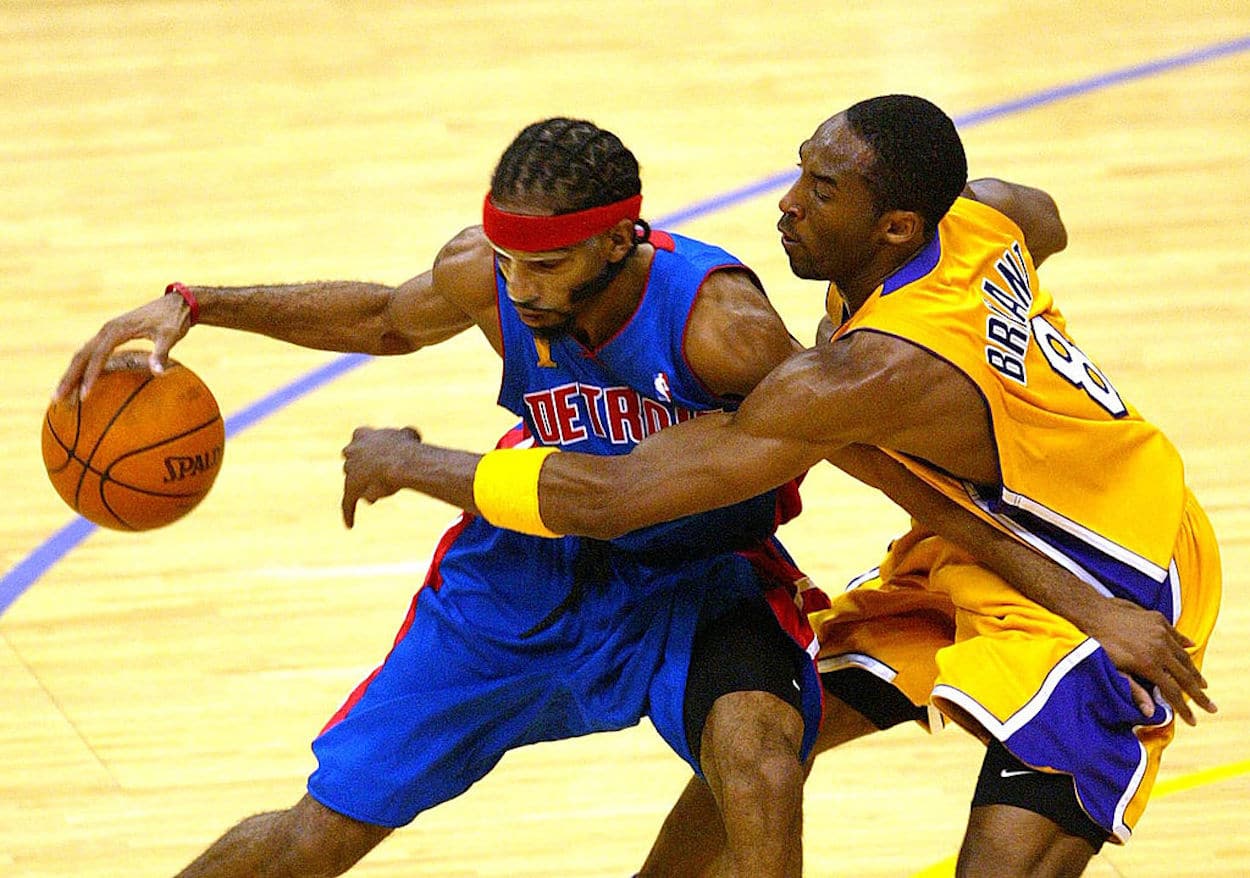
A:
149	492
107	474
111	511
105	503
77	425
106	478
69	452
87	462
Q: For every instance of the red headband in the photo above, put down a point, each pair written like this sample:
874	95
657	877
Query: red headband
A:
538	234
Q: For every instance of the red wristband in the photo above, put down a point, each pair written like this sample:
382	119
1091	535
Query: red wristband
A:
188	297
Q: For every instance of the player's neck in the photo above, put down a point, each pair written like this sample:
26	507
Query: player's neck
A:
612	308
858	289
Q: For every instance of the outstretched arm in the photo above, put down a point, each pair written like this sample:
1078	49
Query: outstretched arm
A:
329	315
710	461
798	416
591	495
604	497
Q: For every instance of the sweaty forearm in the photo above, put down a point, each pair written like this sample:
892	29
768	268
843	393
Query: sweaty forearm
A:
576	496
347	316
1036	577
501	486
443	473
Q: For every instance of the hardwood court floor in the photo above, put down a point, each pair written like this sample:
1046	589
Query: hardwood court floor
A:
157	687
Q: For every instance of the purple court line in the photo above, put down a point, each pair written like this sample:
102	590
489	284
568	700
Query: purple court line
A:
27	571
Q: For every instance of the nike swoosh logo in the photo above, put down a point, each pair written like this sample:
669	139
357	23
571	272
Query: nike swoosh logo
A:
1006	773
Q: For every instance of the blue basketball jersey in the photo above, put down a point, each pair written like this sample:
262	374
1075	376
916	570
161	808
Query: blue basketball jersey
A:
607	399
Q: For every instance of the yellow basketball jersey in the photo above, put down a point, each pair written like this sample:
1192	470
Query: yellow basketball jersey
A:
1084	477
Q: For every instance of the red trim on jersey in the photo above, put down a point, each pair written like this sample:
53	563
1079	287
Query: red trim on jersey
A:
789	501
538	234
514	437
791	596
787	589
662	241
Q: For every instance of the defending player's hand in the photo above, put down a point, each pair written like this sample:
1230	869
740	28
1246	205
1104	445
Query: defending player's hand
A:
373	466
164	321
1142	644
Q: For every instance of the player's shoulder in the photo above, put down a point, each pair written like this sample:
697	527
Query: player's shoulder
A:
731	304
467	245
464	269
731	289
734	336
868	350
970	218
856	388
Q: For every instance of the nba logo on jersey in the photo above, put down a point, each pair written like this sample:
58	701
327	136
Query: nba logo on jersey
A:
661	387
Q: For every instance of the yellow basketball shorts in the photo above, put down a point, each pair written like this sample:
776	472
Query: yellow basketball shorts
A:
948	633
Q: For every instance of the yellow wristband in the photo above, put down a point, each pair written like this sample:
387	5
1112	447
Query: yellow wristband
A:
505	489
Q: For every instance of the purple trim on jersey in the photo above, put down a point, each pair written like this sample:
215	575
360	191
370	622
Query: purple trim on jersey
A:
916	267
1122	580
1085	730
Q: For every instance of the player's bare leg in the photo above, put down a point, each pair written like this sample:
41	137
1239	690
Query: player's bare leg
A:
306	840
750	748
1005	841
693	835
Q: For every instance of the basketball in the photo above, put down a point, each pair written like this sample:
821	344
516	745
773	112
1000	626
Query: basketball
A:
141	450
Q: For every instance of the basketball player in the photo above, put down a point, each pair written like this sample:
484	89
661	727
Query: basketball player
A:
516	639
950	357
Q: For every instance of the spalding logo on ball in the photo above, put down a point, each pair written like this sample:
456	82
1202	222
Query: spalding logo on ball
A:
141	450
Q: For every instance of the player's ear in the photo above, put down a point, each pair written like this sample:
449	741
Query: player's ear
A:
620	240
901	227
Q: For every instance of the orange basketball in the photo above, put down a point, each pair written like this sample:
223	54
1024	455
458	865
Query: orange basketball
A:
141	450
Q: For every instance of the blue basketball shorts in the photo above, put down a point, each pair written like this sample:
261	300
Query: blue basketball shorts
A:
512	640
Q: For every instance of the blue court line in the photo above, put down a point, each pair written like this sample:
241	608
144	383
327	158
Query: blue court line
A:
29	569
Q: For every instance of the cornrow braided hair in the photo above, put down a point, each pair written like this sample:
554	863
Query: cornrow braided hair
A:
570	164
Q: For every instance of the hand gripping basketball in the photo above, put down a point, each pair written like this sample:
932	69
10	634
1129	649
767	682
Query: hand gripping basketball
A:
140	451
164	321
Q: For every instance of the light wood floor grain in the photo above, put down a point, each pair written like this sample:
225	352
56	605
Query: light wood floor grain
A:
155	688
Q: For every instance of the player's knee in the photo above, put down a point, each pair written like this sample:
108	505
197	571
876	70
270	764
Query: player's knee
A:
991	859
771	784
981	857
1009	842
751	743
